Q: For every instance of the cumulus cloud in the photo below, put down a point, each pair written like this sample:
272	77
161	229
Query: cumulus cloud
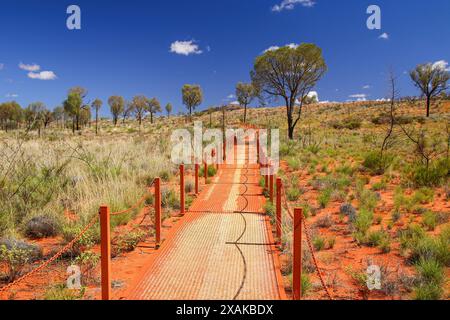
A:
441	64
234	103
312	94
384	36
43	75
30	67
290	45
185	48
359	96
290	4
11	95
367	86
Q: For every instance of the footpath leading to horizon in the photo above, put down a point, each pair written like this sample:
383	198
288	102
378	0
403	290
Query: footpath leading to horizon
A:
221	250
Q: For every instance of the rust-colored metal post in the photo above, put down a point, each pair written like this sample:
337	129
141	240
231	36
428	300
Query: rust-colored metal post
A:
271	178
297	272
279	213
206	173
257	146
105	251
158	212
197	167
182	202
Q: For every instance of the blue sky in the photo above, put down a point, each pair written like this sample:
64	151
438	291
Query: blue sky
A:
124	46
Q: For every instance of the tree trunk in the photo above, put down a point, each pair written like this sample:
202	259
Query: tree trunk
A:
151	117
96	123
290	110
245	114
428	106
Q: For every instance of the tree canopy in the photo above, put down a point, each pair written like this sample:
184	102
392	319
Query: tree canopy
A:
117	105
192	96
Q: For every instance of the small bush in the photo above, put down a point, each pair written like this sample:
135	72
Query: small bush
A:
325	221
376	163
189	186
364	221
293	163
430	220
348	210
293	194
41	227
15	254
270	210
423	196
324	198
60	292
129	241
170	199
433	176
319	243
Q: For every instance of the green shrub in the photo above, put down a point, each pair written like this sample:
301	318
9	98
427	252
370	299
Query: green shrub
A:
170	199
349	123
379	186
423	196
433	176
270	210
429	248
165	175
428	291
293	194
430	220
430	270
364	221
129	241
293	163
87	241
60	292
324	198
319	243
376	163
15	254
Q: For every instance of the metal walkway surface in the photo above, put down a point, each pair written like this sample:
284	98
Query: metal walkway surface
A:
221	250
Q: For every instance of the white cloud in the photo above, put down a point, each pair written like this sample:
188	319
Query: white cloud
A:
43	75
2	66
312	94
367	86
384	36
231	96
11	95
290	45
185	48
290	4
441	64
359	96
235	103
30	67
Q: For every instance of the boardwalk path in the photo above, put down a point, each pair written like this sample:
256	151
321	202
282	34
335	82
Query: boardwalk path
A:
222	249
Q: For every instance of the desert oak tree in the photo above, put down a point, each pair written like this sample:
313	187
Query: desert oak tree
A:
289	73
245	93
96	105
432	81
117	105
192	97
